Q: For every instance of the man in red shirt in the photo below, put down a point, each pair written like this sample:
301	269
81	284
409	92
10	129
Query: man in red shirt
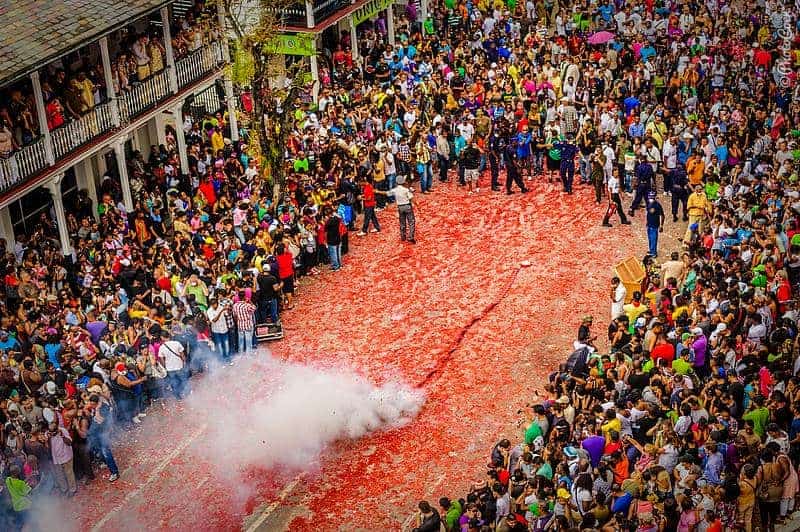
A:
368	197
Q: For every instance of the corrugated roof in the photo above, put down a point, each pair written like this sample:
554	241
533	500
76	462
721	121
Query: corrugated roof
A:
35	32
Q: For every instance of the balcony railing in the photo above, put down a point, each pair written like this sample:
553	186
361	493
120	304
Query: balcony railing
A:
295	14
198	63
22	163
325	8
144	96
32	159
75	134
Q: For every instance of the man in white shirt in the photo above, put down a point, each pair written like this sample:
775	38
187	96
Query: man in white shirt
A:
172	355
216	315
403	196
669	156
614	201
618	293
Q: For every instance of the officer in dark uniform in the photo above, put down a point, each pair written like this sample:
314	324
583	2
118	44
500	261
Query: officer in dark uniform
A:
513	174
644	181
567	170
680	192
497	149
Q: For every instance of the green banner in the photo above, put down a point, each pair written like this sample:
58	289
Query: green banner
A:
292	44
370	9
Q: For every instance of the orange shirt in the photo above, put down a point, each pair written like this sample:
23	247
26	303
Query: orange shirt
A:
695	168
621	470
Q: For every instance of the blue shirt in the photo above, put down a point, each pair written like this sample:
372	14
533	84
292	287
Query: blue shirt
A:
636	130
622	504
9	344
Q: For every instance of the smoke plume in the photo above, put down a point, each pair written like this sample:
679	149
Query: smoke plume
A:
263	412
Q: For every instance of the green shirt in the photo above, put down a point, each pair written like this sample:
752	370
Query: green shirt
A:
533	432
453	515
712	191
760	418
680	366
19	491
199	296
546	471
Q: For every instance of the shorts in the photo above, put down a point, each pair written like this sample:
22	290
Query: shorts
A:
471	174
288	285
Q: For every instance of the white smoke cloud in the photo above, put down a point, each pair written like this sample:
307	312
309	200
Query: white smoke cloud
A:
263	412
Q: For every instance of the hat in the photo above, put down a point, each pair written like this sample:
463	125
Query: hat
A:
48	414
697	331
640	322
120	367
570	451
50	387
51	297
94	389
587	319
562	493
401	179
563	400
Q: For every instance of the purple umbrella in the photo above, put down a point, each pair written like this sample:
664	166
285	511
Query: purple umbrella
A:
601	37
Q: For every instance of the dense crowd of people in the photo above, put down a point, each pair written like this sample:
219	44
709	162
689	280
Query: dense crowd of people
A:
685	416
684	419
74	85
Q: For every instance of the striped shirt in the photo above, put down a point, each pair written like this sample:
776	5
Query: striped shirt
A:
244	313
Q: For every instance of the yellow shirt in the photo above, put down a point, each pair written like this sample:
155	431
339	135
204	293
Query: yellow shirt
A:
633	311
607	427
697	204
217	142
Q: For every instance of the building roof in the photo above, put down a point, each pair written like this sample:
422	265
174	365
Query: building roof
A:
36	32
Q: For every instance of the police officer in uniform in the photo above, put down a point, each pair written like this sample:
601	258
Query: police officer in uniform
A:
680	192
644	181
497	149
513	173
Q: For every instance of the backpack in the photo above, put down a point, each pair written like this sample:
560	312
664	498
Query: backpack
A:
577	362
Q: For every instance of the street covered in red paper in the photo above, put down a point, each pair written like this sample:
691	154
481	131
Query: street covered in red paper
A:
456	316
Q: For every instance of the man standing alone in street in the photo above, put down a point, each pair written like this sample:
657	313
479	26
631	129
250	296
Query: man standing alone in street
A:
403	196
655	222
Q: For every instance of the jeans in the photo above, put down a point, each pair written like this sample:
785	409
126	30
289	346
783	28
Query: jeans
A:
567	175
407	219
223	344
391	182
335	254
246	340
425	177
177	381
103	446
369	216
585	168
652	240
444	166
237	230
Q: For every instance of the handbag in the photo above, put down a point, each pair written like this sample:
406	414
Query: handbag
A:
770	490
159	371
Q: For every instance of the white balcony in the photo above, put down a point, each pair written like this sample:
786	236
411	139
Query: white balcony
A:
144	95
76	133
198	63
22	163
